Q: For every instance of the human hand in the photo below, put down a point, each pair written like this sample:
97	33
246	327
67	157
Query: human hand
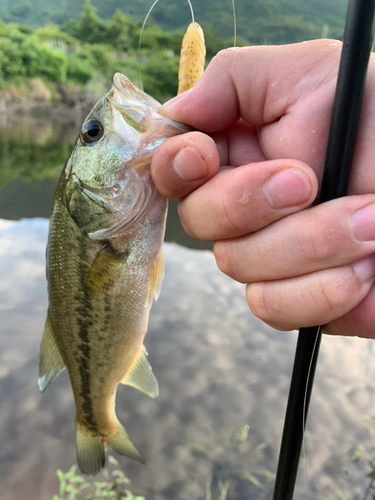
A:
267	111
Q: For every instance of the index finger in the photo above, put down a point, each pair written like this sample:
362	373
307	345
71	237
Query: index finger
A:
256	83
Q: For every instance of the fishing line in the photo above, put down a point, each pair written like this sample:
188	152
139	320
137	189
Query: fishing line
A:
143	27
304	414
234	24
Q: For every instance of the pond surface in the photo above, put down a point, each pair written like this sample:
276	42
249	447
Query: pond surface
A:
218	367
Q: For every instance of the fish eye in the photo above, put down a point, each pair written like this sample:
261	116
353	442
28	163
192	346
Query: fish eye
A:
92	131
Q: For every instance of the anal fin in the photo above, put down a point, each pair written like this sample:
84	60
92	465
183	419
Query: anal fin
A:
51	363
141	375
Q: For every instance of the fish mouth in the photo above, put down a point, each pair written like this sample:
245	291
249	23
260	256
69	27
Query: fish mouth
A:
140	110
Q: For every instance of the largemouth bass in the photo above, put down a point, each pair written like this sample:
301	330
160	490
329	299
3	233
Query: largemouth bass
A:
105	266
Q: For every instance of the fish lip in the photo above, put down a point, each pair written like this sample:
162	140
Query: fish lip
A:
132	91
140	100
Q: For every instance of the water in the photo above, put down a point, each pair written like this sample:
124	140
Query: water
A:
218	367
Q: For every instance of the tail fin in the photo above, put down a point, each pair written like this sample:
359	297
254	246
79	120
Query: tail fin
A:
90	448
90	451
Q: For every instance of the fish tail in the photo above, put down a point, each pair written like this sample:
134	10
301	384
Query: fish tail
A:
91	452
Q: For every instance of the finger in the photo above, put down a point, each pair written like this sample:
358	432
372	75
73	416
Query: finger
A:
183	163
272	83
333	234
287	92
244	199
357	322
312	299
238	144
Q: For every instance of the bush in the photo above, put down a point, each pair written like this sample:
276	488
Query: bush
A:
23	55
160	76
53	65
80	68
99	56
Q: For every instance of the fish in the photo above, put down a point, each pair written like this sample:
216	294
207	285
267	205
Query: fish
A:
105	266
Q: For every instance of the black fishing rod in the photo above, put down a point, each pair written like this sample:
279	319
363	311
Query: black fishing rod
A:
356	48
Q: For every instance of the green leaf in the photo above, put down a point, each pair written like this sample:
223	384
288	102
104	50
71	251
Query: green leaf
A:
268	475
201	449
130	496
252	479
208	490
78	479
223	489
260	447
339	494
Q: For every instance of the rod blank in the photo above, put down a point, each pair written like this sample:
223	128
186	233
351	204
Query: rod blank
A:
357	43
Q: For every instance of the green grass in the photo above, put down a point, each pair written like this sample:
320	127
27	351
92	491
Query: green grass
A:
114	486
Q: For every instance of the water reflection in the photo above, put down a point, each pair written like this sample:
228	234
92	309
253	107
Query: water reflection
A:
218	368
32	156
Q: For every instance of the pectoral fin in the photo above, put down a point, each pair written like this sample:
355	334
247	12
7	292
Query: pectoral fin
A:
141	376
51	363
105	271
156	278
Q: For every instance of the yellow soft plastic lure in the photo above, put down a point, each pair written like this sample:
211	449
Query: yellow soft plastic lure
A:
193	53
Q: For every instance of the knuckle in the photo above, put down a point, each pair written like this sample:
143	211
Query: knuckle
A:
226	259
262	305
315	245
333	293
225	214
224	57
184	219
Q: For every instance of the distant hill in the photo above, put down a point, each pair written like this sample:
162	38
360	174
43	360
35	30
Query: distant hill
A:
258	21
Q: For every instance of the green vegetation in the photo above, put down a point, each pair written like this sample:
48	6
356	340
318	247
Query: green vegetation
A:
90	49
229	477
113	486
273	21
70	46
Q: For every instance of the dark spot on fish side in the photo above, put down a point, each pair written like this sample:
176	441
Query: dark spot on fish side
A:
88	415
85	350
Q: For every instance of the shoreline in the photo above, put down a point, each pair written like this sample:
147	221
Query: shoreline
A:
33	111
37	100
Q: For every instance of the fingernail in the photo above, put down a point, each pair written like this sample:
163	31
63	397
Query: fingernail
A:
287	188
364	223
189	165
365	268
